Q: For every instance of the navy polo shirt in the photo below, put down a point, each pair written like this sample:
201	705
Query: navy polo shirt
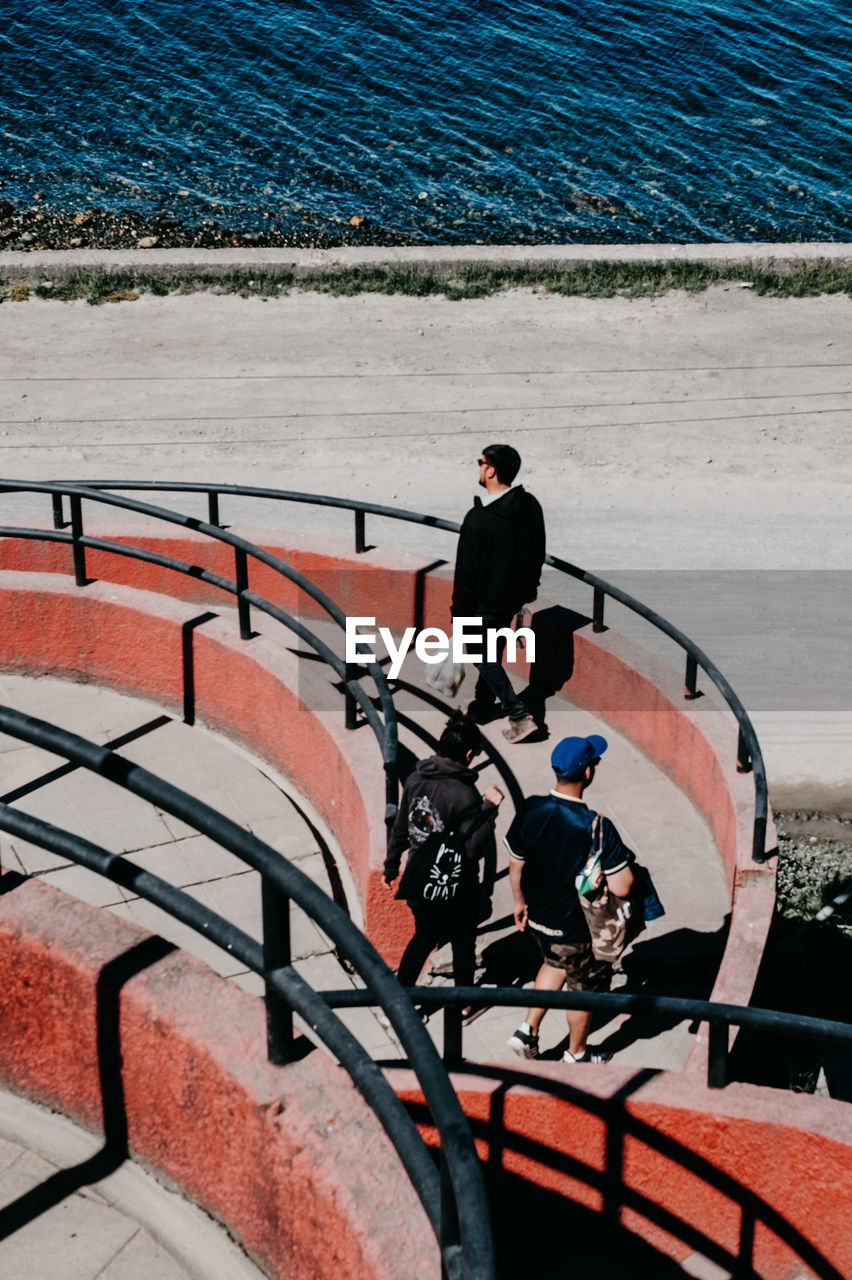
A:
552	836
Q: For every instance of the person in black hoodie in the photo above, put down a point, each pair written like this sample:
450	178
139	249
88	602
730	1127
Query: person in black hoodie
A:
499	559
442	888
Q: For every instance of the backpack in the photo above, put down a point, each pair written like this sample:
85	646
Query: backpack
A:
433	872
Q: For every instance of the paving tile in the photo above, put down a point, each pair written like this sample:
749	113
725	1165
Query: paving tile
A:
23	764
237	898
9	1153
177	828
287	834
315	869
250	982
168	861
219	959
103	814
86	885
143	1259
75	1240
151	918
306	938
209	861
10	859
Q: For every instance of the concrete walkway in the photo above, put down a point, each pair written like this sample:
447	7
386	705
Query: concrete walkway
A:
654	818
126	1226
701	439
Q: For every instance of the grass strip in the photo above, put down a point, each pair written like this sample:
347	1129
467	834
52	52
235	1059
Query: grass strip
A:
584	280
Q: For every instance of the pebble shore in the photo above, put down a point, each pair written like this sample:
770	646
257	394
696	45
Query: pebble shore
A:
40	226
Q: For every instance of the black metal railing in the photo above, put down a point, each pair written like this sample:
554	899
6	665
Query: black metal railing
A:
452	1195
355	696
749	757
455	1001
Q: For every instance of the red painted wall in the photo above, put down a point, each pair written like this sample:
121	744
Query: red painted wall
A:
254	691
674	1162
291	1159
639	696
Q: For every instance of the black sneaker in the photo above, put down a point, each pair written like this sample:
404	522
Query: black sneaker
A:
588	1055
523	1043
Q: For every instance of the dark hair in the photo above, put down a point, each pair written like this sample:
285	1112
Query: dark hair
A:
579	776
460	736
505	460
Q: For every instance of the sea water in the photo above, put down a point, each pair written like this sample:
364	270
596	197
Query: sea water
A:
601	121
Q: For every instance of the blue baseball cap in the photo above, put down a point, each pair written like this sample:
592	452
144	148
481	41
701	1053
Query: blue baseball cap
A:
572	755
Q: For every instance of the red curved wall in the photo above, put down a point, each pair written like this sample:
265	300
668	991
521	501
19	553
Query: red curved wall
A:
764	1176
98	1022
678	1134
641	697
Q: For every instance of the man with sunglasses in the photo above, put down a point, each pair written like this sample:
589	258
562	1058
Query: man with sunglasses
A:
499	559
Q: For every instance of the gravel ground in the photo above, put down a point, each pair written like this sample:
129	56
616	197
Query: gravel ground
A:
807	962
814	864
40	226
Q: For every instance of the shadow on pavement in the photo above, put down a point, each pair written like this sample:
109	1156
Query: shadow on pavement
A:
114	1151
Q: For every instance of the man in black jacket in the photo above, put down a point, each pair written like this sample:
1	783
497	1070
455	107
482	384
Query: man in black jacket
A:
498	568
440	797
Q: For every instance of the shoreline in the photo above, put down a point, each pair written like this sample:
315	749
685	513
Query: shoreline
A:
463	271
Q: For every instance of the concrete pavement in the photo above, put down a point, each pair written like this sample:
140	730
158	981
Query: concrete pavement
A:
701	439
704	432
653	816
125	1226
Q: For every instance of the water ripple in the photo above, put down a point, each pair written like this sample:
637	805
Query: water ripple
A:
635	120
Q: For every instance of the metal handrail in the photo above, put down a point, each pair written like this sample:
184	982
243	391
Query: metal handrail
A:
719	1017
465	1238
386	732
749	754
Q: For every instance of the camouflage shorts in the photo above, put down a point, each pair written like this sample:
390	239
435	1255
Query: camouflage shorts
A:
582	971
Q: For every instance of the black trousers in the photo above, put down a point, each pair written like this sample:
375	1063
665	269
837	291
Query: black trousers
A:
435	924
493	683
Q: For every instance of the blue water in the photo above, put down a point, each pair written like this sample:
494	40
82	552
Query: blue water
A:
609	120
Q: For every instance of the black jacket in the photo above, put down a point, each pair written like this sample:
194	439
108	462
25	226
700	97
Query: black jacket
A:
435	796
499	558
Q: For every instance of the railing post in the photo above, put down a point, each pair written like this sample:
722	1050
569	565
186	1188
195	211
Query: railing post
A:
213	509
275	907
450	1241
58	513
77	548
241	573
452	1035
758	843
691	679
360	533
717	1055
351	706
598	610
743	754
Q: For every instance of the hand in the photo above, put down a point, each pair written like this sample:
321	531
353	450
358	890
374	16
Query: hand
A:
493	795
390	876
520	913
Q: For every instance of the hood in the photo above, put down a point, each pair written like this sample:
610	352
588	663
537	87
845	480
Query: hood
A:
441	767
514	505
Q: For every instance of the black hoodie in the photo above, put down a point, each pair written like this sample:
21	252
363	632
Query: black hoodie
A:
500	554
435	796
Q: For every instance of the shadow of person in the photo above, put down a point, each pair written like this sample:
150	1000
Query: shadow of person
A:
553	629
510	961
681	963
